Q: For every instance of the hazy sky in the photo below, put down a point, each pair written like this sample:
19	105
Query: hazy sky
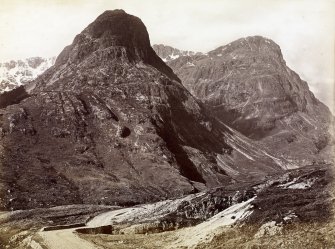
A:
304	29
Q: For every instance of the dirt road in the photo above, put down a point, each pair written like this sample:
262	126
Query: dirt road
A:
64	239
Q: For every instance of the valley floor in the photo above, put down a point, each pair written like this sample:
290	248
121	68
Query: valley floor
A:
292	210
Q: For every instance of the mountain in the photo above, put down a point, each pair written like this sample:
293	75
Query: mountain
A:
15	73
248	85
168	53
110	123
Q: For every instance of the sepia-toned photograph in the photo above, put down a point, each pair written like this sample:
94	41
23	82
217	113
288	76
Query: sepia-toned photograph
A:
169	124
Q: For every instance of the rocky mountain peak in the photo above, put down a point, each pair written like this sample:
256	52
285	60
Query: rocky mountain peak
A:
255	46
257	41
114	35
248	85
117	28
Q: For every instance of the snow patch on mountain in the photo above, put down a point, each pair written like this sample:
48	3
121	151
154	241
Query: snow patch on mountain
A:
167	53
15	73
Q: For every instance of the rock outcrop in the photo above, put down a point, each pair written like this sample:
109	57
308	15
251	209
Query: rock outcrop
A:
248	85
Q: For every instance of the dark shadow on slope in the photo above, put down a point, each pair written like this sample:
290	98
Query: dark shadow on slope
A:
180	125
187	168
249	128
12	97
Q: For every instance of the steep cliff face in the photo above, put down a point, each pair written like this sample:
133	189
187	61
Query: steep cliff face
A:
111	123
248	85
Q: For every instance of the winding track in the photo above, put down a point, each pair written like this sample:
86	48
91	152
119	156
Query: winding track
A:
64	239
68	239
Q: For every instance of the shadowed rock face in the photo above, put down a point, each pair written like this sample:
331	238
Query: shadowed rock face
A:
110	123
248	85
13	97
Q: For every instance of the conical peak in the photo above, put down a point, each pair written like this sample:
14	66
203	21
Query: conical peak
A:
113	35
117	28
113	29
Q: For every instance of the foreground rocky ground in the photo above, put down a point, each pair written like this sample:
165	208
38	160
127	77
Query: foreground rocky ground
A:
290	210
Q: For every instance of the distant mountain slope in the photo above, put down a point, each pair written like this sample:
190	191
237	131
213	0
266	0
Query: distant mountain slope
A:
168	53
111	123
15	73
248	85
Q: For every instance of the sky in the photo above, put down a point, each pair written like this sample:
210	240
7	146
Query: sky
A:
304	29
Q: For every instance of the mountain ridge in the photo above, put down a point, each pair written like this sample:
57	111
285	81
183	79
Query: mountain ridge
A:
248	85
168	53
